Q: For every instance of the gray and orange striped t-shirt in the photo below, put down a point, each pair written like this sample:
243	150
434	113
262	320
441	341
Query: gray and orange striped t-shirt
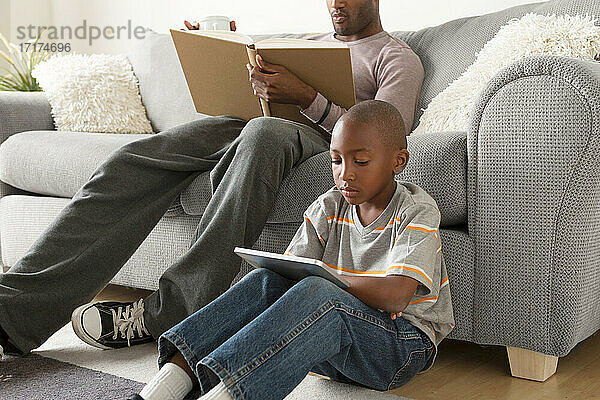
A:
403	240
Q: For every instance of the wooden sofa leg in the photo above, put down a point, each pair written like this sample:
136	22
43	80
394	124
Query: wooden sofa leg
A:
530	364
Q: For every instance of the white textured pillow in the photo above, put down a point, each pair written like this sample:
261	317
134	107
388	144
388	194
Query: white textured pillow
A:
93	93
532	34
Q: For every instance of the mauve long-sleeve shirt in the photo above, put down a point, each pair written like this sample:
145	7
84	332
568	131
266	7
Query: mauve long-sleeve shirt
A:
384	68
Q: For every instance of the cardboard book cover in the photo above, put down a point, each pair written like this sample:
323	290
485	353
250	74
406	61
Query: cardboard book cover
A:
214	65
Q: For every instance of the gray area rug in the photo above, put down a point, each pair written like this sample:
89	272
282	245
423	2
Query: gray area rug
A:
66	368
40	378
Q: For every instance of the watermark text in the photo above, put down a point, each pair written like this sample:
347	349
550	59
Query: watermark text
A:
83	31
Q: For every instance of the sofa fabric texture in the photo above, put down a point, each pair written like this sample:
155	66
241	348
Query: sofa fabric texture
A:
19	112
534	191
27	161
24	218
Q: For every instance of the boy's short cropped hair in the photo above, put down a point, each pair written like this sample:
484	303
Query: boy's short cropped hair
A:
385	117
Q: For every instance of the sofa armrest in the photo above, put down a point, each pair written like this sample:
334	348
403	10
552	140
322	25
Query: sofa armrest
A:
24	111
438	163
534	205
19	112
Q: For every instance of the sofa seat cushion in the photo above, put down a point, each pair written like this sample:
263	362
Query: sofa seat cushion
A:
56	163
23	219
438	163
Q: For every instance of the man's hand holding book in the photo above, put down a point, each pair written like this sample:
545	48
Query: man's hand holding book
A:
275	83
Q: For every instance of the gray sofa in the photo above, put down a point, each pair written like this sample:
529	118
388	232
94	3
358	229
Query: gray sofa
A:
519	192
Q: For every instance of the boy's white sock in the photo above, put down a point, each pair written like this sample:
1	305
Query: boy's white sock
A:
219	392
170	383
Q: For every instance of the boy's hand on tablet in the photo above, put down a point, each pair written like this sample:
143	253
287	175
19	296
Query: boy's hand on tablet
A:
394	315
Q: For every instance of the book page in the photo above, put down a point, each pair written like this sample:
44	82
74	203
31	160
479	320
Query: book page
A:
225	35
291	43
266	109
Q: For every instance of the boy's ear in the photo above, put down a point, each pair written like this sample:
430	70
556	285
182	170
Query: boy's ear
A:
401	159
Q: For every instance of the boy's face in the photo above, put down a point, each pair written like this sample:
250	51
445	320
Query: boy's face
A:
363	169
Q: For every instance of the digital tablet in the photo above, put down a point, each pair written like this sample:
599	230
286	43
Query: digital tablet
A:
291	267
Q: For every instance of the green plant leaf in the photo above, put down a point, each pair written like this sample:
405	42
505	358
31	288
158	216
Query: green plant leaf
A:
21	65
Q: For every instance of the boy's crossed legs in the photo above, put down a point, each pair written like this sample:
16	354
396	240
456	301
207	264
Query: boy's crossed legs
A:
267	329
116	209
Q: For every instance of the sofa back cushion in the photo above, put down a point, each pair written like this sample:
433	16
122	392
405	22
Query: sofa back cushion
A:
448	49
162	84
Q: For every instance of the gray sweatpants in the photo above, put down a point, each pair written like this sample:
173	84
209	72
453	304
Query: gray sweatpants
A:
112	214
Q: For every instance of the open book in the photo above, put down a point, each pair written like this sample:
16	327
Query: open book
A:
214	64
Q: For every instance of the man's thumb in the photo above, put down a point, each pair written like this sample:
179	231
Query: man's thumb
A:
265	66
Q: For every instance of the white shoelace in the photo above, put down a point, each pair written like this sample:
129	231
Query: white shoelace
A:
130	321
1	352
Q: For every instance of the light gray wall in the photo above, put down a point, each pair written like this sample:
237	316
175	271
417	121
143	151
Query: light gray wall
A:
275	16
4	28
252	17
5	17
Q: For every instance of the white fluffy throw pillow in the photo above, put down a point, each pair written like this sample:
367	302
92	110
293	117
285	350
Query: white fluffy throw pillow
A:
533	34
93	93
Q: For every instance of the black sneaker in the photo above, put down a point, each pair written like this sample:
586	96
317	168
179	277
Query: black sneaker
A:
111	324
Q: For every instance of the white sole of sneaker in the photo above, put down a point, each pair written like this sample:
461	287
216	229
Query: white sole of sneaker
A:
77	323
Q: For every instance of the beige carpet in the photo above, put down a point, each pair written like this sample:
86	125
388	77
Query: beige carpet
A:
139	364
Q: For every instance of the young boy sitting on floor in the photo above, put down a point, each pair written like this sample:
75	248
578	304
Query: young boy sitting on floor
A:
259	339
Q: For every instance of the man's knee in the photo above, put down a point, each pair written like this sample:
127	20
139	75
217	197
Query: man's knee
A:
267	133
266	124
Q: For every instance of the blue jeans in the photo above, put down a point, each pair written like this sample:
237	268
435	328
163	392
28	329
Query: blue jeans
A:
262	336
